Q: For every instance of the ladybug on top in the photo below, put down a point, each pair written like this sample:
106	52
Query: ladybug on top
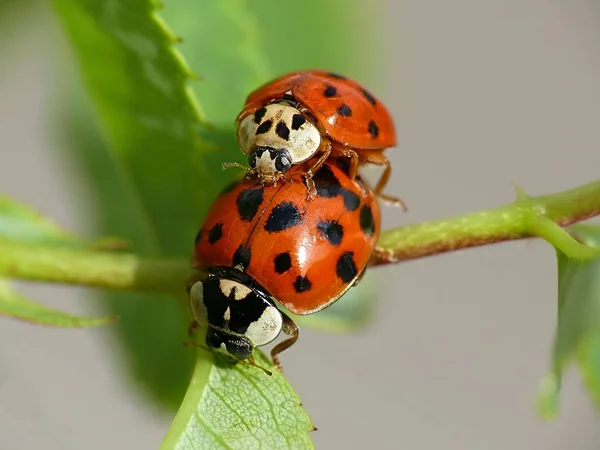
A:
314	113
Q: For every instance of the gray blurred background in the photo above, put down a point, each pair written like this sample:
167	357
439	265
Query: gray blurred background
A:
484	93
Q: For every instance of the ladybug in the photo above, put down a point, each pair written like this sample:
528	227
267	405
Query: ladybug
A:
264	245
302	114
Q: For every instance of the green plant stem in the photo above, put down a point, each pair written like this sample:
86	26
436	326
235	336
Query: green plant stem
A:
542	216
524	218
117	271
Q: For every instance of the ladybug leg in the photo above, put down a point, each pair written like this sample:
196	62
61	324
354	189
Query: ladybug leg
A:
325	152
311	187
379	159
307	179
310	184
290	328
354	159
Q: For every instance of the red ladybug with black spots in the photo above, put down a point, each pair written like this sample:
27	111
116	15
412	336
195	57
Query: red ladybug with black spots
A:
264	245
302	114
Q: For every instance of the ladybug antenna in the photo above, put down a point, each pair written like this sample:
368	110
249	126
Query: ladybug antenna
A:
229	165
251	362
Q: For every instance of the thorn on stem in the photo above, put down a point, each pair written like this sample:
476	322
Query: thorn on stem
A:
521	194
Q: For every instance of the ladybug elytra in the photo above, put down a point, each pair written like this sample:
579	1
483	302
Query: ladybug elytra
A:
261	245
314	113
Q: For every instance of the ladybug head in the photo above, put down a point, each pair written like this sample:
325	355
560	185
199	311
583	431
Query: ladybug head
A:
238	313
276	137
232	348
270	161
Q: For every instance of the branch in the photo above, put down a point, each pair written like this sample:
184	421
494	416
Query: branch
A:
526	217
117	271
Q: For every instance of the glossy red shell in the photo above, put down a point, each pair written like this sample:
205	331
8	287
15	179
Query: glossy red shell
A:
345	110
305	252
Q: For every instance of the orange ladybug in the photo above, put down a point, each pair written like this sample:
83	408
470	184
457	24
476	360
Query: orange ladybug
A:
261	245
305	113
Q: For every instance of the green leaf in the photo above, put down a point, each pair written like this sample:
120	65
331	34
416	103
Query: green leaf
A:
220	40
14	305
150	326
139	84
156	178
578	329
150	180
154	189
162	213
239	407
21	223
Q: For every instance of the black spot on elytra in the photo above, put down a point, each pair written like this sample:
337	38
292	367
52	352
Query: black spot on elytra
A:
264	127
351	200
367	223
297	121
282	130
198	237
332	230
302	284
373	129
248	203
215	233
283	216
259	114
330	91
344	110
345	267
329	186
369	97
283	263
337	75
242	256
